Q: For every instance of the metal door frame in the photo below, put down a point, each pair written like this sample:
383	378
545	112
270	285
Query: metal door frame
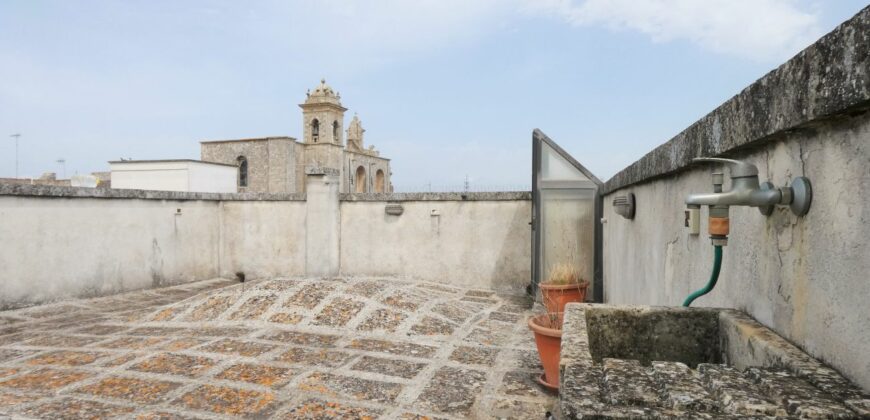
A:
539	138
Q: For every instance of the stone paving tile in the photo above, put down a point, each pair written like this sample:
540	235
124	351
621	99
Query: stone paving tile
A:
211	308
9	354
438	288
120	360
430	325
276	285
507	317
371	337
286	318
169	313
69	408
309	296
367	288
488	337
63	341
175	364
45	379
383	319
319	357
455	313
338	312
182	344
163	415
452	391
526	359
99	329
10	400
135	343
6	372
64	358
157	331
415	416
220	331
351	387
393	347
390	367
132	389
521	384
402	300
480	293
241	348
314	409
302	338
508	408
229	401
254	307
474	355
257	374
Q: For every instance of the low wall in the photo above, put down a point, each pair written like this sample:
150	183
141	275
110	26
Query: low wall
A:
804	277
473	240
61	242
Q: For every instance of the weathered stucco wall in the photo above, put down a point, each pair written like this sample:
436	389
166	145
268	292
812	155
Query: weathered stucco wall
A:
475	243
61	247
61	242
805	277
262	238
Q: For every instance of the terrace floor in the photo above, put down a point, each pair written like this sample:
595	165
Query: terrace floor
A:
287	348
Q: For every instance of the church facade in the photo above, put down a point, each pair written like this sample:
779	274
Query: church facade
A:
277	164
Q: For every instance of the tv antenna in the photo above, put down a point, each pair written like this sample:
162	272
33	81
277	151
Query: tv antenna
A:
16	136
62	163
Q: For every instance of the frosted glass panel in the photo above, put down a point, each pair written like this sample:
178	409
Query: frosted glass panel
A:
567	230
555	168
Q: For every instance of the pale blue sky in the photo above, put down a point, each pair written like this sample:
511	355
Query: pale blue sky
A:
444	87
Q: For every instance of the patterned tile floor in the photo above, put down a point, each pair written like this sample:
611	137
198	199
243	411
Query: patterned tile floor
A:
284	348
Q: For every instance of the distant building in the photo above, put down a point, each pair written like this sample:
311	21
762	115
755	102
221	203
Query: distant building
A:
277	164
173	175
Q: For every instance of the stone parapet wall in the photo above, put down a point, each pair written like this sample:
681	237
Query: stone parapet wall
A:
803	277
50	191
827	80
440	196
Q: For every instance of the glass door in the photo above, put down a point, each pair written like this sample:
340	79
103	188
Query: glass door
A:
566	216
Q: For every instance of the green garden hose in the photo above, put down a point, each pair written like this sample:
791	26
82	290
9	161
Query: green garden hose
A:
714	277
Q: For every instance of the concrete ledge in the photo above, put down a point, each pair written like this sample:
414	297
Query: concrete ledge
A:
828	79
50	191
429	196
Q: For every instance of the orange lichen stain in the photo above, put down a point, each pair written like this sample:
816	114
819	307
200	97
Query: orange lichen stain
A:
45	379
228	401
129	388
165	314
65	358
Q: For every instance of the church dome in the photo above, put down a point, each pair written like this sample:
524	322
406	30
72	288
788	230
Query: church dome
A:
323	93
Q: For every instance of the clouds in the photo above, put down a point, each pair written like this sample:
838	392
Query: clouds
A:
764	30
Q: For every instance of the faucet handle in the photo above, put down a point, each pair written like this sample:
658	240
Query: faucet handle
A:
739	168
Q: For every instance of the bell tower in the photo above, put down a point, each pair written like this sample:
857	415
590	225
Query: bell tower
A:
323	116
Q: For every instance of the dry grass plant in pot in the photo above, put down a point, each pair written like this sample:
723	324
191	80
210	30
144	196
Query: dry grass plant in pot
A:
563	285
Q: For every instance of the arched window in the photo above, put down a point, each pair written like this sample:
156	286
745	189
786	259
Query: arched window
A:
315	129
335	131
243	171
360	181
379	181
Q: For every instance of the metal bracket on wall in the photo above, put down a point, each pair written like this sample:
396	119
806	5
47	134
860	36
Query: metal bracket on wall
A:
624	205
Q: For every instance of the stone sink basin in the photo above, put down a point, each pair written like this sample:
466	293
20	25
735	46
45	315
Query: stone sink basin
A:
623	361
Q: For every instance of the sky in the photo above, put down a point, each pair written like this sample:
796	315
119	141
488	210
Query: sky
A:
447	89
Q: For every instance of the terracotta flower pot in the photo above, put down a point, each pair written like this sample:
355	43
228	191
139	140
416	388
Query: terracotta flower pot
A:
555	296
548	338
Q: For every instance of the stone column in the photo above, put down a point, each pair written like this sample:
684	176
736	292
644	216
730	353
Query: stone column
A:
323	223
